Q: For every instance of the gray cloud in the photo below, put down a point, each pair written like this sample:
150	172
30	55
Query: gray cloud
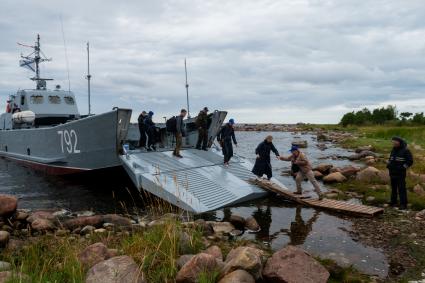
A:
266	61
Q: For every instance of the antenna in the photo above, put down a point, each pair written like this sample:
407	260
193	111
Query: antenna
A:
187	89
66	54
88	77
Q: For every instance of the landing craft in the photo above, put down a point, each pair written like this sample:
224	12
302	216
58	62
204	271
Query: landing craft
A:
43	129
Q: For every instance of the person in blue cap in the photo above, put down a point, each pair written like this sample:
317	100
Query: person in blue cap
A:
150	130
225	137
262	163
302	168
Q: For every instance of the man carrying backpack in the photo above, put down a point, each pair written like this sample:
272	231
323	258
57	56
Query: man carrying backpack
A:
202	124
150	130
142	128
179	132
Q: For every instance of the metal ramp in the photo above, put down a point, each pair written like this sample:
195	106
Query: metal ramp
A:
196	183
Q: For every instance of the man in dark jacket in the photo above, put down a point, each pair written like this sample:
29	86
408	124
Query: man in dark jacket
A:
202	124
142	128
179	132
262	163
400	159
225	137
150	130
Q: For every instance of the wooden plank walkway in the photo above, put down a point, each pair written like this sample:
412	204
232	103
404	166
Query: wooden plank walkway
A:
325	204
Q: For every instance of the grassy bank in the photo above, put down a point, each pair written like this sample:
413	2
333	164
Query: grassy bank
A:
379	136
49	258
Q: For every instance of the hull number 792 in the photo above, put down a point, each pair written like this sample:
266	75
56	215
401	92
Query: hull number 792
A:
69	141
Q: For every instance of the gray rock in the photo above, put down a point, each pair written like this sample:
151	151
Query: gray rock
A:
94	254
42	225
245	258
238	276
87	230
182	260
199	263
252	224
5	266
119	269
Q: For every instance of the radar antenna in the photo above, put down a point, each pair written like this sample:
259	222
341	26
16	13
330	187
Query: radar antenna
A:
35	58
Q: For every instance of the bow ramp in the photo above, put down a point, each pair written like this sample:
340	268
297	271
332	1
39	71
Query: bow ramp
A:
197	183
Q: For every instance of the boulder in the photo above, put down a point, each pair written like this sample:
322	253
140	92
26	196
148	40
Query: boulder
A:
370	160
384	176
41	225
199	263
368	174
300	143
41	214
246	258
182	260
292	264
252	224
206	228
364	148
336	177
349	171
215	251
8	276
119	269
82	221
21	215
370	199
361	155
419	190
87	230
238	276
4	238
94	254
5	266
117	220
318	175
222	227
8	205
237	221
421	214
323	168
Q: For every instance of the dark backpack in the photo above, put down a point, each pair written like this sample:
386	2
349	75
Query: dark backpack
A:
171	125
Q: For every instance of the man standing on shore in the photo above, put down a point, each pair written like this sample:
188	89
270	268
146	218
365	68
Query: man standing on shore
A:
400	159
179	132
202	124
303	166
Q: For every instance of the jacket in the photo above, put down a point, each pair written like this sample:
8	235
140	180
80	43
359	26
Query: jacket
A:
202	120
400	159
264	149
301	161
227	133
148	122
141	120
180	125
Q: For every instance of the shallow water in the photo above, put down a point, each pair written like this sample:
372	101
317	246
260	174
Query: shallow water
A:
282	223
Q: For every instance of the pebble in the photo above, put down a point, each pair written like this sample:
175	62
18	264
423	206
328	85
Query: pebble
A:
87	230
101	231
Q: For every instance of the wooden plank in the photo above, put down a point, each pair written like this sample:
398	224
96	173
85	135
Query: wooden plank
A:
328	204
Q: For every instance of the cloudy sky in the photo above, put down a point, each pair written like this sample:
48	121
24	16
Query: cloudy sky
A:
263	61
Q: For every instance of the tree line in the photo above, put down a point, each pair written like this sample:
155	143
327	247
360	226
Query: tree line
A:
381	115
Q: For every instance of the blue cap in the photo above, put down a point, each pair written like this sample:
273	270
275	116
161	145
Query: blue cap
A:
293	148
232	121
150	113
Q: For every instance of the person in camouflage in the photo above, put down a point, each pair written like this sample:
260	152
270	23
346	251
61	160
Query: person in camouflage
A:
202	124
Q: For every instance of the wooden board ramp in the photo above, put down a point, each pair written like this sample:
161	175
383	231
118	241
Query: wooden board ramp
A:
325	204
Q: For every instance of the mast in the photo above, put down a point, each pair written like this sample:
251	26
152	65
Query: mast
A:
88	77
187	89
28	61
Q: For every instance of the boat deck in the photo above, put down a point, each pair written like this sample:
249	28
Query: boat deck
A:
325	204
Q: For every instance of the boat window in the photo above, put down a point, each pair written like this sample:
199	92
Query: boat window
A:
69	100
22	99
37	99
54	99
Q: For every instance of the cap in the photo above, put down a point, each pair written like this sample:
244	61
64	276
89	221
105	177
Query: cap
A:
144	112
293	148
206	109
150	113
231	121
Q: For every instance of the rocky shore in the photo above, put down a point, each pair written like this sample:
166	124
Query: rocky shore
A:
92	240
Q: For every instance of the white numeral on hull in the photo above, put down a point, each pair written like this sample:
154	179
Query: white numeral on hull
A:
69	141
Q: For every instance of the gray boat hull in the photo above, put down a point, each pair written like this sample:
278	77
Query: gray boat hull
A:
86	144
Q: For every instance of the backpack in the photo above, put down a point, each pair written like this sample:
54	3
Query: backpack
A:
171	125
